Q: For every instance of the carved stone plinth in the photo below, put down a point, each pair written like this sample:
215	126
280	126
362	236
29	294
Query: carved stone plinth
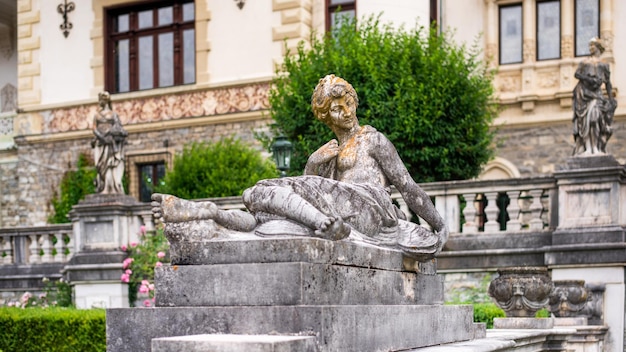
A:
521	291
568	298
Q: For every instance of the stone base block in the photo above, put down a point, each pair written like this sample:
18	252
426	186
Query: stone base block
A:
89	295
523	323
336	328
254	249
570	321
284	284
235	343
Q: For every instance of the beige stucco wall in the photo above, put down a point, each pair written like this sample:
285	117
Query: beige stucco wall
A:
242	47
407	13
66	72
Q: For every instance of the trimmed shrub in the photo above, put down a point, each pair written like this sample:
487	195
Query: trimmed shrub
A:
431	98
52	330
485	312
221	169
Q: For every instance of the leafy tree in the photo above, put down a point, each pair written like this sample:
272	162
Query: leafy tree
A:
221	169
75	184
432	99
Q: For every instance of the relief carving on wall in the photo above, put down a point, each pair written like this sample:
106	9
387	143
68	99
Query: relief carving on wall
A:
8	98
567	46
548	79
220	101
529	50
510	83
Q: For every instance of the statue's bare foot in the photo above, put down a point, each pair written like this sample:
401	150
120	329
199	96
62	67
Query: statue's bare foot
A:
333	228
170	208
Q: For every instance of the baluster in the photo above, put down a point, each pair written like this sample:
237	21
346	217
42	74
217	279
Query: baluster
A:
469	213
513	209
68	248
491	210
47	247
535	210
59	247
148	222
33	250
7	249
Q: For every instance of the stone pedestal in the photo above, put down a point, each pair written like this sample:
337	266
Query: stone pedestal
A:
349	296
102	224
590	234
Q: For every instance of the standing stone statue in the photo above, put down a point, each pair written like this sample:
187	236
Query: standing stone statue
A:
593	111
344	194
108	147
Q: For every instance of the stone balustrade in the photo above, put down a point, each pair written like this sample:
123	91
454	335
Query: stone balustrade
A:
36	245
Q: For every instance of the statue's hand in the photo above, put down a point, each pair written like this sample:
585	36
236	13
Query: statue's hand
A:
325	153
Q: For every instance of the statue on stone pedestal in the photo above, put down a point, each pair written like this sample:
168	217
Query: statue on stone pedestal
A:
593	111
108	147
344	193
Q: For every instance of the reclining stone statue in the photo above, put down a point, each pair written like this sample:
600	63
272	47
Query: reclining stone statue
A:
343	195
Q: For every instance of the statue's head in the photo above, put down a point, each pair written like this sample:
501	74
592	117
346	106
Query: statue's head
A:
329	88
597	43
104	99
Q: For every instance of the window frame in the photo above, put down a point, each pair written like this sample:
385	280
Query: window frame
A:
155	176
504	6
576	36
330	9
537	35
177	27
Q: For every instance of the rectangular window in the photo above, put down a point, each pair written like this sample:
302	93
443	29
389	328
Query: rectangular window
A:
587	19
549	30
338	9
150	175
150	45
511	34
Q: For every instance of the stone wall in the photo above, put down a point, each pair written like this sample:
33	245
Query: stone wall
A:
40	167
541	150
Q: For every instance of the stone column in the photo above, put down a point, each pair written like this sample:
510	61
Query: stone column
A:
102	224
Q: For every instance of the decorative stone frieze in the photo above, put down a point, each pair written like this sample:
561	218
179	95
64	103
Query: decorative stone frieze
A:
252	97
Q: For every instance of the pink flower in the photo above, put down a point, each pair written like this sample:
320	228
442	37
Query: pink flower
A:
128	272
125	278
147	303
145	282
142	230
151	287
144	289
124	248
161	255
158	264
134	244
126	263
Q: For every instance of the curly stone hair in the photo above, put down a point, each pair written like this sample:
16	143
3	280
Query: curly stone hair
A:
329	88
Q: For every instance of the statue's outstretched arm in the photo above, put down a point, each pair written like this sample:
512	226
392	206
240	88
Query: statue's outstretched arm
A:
415	197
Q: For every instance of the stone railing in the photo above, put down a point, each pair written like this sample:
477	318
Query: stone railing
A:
36	245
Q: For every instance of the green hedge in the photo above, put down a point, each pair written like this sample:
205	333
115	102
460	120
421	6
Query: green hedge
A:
52	329
485	312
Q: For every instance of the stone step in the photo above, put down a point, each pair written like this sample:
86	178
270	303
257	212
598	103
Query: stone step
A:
285	284
336	328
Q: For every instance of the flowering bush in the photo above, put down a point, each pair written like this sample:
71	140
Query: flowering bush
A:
55	294
143	257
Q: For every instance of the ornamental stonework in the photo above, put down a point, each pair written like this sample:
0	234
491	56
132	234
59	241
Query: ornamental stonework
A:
248	98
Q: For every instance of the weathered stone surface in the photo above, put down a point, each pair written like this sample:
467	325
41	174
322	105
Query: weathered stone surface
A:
523	323
336	328
235	343
287	249
291	284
